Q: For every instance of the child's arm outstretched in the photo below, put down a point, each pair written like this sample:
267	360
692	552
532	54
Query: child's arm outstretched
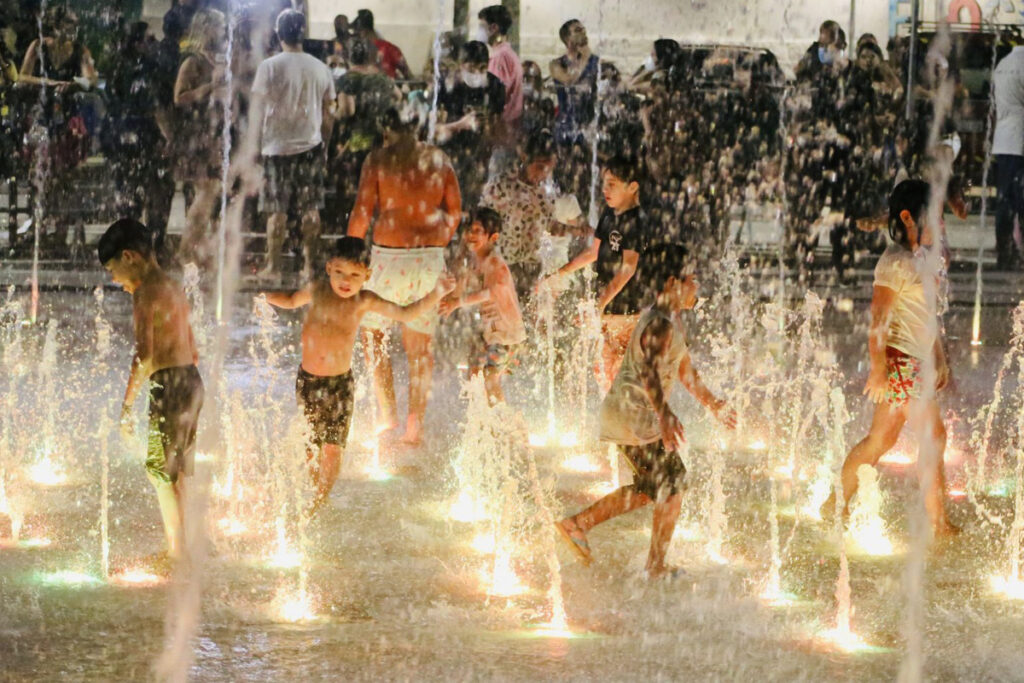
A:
296	299
409	312
580	261
690	379
654	343
882	300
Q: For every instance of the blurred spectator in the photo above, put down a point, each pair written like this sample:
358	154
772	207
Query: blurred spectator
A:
181	13
528	212
340	47
142	173
822	52
62	67
575	77
1008	148
538	107
470	114
293	94
495	22
389	56
662	58
199	94
365	94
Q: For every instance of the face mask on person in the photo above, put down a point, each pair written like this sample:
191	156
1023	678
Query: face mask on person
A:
528	91
825	56
602	87
482	35
650	64
474	79
338	71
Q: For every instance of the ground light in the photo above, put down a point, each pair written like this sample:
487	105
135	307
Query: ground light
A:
294	607
581	463
25	543
1008	587
845	640
136	577
465	509
46	472
231	526
67	579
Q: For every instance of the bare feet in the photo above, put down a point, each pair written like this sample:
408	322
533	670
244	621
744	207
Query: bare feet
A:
577	540
663	571
413	432
828	509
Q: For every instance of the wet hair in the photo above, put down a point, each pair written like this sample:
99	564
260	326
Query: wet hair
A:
291	26
126	234
498	15
202	30
352	250
662	262
474	52
566	29
363	20
911	195
626	169
359	53
488	218
540	145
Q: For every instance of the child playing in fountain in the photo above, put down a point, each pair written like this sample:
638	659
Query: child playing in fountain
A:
621	238
903	338
166	356
324	386
636	416
503	328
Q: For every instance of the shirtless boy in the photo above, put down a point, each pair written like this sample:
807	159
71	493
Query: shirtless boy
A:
413	191
166	356
324	386
636	416
499	306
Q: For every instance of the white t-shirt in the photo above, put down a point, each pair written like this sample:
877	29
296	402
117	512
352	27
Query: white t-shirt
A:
913	326
1008	76
293	86
627	414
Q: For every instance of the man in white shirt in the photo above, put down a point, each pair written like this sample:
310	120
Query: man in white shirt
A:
1008	148
293	94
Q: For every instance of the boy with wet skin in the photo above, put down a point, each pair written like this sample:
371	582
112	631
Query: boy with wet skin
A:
904	332
503	327
166	357
635	414
325	386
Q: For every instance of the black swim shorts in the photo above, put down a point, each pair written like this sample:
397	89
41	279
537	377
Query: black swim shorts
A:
655	470
175	399
327	403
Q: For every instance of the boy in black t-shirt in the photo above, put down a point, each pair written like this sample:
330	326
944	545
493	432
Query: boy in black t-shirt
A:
617	251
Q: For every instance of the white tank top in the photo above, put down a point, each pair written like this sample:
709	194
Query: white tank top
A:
627	415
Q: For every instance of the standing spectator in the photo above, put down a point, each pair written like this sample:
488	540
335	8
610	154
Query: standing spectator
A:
182	12
575	75
62	67
472	109
142	175
658	64
519	196
538	107
365	94
292	98
821	53
389	56
1008	148
198	97
342	43
495	22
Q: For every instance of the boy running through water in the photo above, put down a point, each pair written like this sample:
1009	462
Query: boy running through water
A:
324	387
617	250
904	334
636	416
166	356
502	320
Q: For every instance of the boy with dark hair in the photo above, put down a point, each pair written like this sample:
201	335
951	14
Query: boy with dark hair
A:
904	333
324	386
635	414
617	250
495	22
499	306
166	356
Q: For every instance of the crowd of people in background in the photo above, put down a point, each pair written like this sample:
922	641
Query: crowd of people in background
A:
719	129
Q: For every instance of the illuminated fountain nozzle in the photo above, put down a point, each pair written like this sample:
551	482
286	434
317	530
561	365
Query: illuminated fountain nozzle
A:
467	509
136	577
581	463
1007	586
845	640
46	472
295	607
